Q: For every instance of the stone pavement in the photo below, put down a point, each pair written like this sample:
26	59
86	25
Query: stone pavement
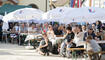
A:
15	52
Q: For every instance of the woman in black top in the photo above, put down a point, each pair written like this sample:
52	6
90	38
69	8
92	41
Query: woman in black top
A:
45	45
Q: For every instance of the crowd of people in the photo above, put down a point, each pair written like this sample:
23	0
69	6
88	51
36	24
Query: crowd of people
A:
73	36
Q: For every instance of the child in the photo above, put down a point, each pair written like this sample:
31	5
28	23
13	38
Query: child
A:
92	47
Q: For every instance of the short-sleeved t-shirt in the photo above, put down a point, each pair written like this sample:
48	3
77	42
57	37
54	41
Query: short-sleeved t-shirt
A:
70	36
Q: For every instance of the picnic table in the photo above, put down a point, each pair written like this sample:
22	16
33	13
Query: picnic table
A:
33	36
78	49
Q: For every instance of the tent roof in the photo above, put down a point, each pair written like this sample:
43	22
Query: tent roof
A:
9	8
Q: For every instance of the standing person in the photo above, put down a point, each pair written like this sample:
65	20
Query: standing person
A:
1	23
67	42
45	45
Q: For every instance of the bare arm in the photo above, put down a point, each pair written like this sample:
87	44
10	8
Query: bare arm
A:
46	44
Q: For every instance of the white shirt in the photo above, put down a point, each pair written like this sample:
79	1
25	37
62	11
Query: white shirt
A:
32	30
50	35
78	38
16	28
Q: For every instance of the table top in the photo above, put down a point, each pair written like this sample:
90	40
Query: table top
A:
103	41
59	38
30	34
76	49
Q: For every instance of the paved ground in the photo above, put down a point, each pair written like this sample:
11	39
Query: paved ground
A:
15	52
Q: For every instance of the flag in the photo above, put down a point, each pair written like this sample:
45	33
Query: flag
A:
79	3
73	3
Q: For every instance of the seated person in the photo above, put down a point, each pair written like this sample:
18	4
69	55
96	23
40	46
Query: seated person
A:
31	36
92	46
67	43
45	45
38	28
14	33
89	32
23	29
78	38
32	29
98	36
59	31
51	35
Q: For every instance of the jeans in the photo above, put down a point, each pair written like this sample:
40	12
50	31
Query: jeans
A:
63	50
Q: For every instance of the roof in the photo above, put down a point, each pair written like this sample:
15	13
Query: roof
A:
7	8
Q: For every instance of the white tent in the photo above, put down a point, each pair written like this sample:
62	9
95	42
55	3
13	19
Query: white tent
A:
56	14
85	14
23	15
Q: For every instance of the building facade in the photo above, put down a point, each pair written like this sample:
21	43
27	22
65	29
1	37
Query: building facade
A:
41	4
44	4
94	3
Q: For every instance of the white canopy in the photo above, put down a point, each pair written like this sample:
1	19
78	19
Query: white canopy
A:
23	15
56	14
86	14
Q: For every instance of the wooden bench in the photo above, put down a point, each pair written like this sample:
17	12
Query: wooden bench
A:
99	53
89	53
73	50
